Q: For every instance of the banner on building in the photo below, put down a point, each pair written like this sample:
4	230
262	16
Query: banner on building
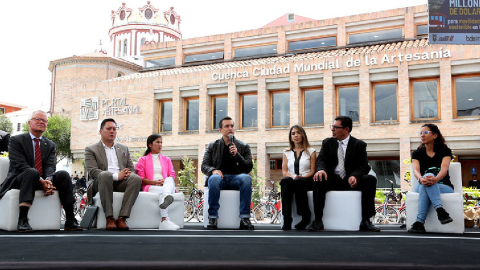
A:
454	21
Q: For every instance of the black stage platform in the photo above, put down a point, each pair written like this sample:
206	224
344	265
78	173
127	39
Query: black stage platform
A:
267	247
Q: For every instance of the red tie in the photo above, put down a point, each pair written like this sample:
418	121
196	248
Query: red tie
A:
38	157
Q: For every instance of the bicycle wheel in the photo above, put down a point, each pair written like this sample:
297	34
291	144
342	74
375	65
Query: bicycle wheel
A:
189	211
265	213
200	213
403	215
390	216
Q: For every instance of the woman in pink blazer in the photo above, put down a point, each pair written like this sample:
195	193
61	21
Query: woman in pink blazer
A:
158	177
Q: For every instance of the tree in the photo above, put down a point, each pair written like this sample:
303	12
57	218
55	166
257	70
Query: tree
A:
58	130
187	175
5	124
25	127
256	184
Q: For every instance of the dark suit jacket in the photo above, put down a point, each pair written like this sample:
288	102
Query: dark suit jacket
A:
22	157
96	162
4	139
356	161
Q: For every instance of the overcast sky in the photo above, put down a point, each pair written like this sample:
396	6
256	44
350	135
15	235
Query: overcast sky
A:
36	32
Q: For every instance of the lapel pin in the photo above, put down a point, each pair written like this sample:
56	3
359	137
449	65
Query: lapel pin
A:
45	143
118	148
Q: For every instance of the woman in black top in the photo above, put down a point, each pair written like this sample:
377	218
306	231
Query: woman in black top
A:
430	166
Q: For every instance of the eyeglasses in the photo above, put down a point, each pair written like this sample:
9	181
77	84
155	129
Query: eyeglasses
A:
40	119
426	132
335	127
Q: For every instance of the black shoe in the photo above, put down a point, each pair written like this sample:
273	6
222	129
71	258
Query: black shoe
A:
443	216
287	224
23	225
212	224
417	227
245	224
72	225
303	224
367	226
316	226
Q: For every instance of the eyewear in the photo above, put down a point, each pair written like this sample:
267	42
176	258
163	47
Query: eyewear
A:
40	120
335	127
426	132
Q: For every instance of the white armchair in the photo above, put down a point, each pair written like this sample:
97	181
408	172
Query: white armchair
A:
43	215
452	202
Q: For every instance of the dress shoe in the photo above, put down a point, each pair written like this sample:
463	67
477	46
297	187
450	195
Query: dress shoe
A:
122	224
245	224
111	224
367	226
23	225
303	223
443	216
417	227
212	224
72	225
316	226
167	200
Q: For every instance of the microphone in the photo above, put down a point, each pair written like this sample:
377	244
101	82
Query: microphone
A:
230	138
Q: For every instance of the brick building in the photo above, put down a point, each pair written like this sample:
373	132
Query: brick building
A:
378	68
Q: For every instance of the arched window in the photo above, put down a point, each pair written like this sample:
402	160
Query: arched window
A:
125	47
143	41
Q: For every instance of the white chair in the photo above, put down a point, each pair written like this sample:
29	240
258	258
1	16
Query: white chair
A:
342	212
452	202
43	215
229	211
145	212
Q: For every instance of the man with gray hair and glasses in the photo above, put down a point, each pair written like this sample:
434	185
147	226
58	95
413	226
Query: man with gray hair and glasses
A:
32	167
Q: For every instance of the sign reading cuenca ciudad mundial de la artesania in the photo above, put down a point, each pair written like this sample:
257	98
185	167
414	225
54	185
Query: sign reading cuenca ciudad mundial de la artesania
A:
454	22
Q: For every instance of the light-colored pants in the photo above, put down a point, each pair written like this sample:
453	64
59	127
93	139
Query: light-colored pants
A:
167	188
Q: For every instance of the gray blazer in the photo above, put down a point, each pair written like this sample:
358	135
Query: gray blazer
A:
96	162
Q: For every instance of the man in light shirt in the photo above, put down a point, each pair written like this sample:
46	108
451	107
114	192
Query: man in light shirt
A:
110	167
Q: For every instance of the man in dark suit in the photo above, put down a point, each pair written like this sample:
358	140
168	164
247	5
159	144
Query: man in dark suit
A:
32	167
343	165
4	140
111	168
474	182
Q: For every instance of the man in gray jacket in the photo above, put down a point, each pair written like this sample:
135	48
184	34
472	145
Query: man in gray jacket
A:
227	162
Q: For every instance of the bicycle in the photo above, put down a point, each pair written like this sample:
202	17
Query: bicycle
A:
193	205
386	213
270	210
80	204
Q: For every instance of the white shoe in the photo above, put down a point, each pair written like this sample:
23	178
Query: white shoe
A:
167	200
168	225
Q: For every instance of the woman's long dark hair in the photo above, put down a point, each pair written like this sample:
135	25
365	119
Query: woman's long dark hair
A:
150	140
439	143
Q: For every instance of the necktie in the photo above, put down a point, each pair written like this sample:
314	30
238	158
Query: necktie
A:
38	157
341	161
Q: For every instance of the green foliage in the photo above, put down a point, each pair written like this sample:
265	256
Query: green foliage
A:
5	124
58	130
256	184
138	154
472	192
187	175
25	127
379	196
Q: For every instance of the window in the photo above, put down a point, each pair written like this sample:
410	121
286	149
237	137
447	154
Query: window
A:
425	99
280	104
312	43
191	114
313	107
165	111
347	102
256	51
119	48
204	57
422	30
386	168
219	109
467	95
249	111
2	110
385	102
142	42
161	62
376	36
19	126
125	47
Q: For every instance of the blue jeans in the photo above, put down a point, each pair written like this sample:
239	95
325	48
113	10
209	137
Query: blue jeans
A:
429	195
242	182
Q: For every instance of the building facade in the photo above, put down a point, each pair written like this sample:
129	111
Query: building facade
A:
377	68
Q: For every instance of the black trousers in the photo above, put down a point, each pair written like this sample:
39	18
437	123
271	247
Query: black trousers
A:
28	182
299	187
366	184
